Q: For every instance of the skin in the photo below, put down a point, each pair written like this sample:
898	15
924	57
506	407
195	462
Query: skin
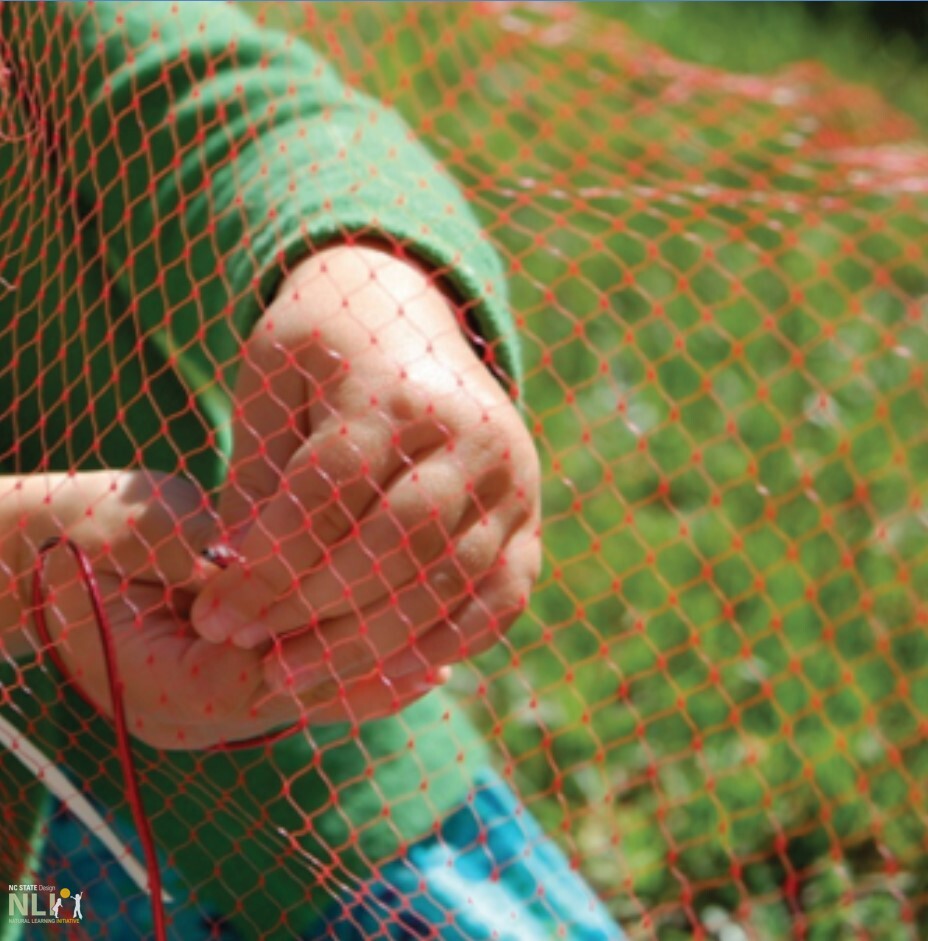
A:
383	497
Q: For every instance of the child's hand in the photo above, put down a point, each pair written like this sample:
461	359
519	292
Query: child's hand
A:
384	492
143	534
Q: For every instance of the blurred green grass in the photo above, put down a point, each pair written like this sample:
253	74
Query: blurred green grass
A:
721	692
759	38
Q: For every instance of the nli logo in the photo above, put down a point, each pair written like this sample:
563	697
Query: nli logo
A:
44	905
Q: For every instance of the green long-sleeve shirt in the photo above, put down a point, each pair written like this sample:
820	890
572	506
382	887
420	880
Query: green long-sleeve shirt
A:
161	165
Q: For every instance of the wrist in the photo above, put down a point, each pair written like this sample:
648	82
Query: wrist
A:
391	299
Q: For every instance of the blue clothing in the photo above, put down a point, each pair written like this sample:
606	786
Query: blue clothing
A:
491	874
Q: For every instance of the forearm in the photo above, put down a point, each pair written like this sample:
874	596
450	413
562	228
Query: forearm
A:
20	502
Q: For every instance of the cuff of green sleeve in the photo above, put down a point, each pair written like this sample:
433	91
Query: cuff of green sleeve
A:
417	211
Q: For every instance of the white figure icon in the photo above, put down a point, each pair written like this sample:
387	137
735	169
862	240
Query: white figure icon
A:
57	907
77	905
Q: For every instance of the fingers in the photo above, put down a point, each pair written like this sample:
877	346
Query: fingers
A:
222	699
351	646
220	696
480	622
344	649
358	701
328	481
420	520
181	692
403	532
477	624
345	556
329	485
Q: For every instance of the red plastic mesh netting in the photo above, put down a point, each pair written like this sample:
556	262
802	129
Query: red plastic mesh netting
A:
235	303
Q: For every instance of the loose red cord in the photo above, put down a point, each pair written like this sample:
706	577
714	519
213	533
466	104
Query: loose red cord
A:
119	715
220	557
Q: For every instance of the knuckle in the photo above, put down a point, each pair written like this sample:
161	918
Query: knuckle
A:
511	474
417	424
515	591
422	535
327	522
405	516
451	581
266	578
530	560
522	593
251	483
425	542
507	615
496	484
338	453
479	552
526	464
407	403
481	643
352	656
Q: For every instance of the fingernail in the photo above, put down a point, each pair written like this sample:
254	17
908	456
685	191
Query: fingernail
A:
410	665
432	678
427	684
250	636
212	626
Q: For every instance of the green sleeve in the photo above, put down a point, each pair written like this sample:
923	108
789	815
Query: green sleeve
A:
208	155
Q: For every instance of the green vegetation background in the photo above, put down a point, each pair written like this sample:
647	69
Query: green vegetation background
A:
759	38
784	819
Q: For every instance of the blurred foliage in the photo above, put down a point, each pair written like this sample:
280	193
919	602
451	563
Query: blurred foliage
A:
884	44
